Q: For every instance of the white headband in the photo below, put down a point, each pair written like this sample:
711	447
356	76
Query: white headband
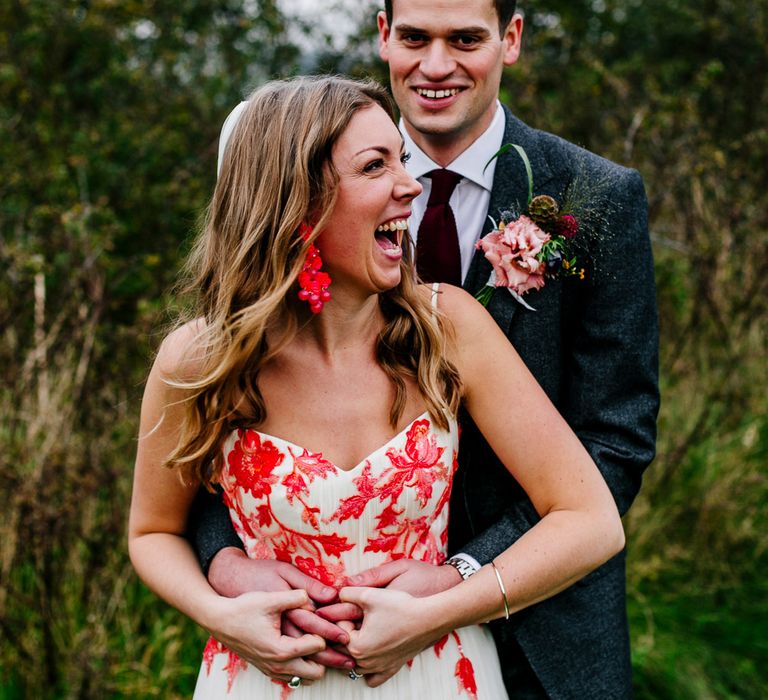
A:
226	131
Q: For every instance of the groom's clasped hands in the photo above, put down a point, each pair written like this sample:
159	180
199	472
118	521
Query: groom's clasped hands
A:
315	626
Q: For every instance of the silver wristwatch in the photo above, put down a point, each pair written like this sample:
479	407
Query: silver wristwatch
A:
465	567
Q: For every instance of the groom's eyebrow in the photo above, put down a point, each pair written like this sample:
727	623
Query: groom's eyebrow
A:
409	29
478	30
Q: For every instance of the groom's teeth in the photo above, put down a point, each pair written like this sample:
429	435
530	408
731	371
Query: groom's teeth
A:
437	94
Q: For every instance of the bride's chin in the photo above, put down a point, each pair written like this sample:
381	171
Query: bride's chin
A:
390	284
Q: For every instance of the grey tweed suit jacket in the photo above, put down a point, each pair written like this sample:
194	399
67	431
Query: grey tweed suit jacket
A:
593	346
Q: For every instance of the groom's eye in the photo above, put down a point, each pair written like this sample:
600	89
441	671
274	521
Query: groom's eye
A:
414	39
466	41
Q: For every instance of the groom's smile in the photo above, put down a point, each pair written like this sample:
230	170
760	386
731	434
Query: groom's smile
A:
445	61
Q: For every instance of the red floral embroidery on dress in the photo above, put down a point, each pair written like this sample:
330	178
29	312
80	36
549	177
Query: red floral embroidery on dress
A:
252	463
329	574
312	464
354	506
418	466
307	465
285	690
440	645
300	536
465	672
465	675
234	662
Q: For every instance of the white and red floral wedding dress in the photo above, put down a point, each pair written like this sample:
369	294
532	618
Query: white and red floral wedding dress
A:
289	504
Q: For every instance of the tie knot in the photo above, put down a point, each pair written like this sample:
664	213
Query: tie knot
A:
443	184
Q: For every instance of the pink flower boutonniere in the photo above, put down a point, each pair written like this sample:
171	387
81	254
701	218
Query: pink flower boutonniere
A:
530	246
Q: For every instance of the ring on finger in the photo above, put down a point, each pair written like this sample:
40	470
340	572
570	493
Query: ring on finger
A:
354	675
295	682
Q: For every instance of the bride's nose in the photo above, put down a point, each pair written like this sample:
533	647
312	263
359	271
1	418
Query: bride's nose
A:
407	187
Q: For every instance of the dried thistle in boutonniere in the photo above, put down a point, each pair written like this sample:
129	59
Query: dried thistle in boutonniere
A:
533	245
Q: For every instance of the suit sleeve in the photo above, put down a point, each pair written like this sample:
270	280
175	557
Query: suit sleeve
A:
612	384
210	528
609	392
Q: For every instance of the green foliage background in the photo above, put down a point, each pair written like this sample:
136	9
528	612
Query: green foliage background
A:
109	117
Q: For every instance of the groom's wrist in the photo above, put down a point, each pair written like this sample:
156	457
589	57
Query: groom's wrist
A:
465	564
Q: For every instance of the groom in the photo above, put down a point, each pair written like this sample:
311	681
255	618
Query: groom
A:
591	344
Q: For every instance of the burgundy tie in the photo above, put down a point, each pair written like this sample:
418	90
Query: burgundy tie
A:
438	258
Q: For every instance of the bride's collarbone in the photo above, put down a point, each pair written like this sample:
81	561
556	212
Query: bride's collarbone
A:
323	387
341	411
345	426
345	440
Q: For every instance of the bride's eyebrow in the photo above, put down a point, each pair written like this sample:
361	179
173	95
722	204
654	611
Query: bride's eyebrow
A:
384	150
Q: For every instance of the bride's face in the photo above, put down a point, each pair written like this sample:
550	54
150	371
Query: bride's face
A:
361	245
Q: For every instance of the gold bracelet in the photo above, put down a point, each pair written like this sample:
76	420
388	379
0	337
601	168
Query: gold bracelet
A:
503	590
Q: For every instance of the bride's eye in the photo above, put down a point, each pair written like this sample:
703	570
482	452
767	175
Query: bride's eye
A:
405	157
374	165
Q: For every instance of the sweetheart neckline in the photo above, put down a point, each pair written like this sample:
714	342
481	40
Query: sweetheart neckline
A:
361	463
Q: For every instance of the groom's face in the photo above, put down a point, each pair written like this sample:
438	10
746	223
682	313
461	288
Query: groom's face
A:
445	63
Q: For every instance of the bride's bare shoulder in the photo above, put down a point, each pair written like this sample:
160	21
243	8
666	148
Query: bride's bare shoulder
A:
470	327
460	307
180	356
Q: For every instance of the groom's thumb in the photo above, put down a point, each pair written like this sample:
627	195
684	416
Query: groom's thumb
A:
379	576
355	594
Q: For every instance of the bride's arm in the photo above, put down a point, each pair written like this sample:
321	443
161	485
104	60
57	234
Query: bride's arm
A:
163	558
579	528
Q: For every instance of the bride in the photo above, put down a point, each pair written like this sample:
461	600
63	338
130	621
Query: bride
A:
318	384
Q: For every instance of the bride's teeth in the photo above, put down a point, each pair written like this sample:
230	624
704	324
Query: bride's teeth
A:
399	225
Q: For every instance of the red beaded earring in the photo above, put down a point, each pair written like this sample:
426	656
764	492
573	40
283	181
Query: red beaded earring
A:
314	283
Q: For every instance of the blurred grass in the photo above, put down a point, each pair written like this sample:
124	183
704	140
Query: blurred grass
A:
695	644
698	553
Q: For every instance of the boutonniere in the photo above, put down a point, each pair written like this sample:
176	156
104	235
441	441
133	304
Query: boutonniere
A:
531	245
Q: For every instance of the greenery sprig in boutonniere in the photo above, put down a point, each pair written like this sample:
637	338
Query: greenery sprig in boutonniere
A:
529	246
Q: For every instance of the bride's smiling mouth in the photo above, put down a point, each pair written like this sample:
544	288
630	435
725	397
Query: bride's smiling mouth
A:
389	235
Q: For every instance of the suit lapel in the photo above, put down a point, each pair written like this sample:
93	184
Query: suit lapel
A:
510	189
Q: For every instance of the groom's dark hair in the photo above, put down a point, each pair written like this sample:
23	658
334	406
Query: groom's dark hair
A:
505	9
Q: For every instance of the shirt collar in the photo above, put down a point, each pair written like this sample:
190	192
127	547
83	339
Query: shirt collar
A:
470	163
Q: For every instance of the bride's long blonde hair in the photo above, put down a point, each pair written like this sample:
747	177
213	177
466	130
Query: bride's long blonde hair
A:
276	174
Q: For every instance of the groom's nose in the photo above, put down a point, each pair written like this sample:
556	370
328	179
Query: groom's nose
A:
437	62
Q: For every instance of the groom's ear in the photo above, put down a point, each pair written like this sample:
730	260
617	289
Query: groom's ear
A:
381	21
512	38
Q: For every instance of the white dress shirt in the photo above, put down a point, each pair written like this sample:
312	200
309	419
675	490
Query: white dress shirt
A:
472	195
